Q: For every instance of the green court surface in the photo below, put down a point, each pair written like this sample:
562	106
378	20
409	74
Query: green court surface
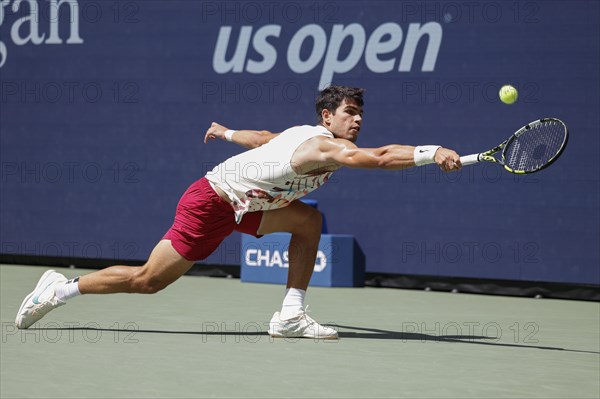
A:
206	337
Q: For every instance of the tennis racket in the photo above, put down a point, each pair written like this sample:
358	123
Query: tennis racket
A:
530	149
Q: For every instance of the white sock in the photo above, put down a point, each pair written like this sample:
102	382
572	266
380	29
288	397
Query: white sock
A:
67	290
293	303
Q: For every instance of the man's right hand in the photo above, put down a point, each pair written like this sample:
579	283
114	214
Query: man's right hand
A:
447	159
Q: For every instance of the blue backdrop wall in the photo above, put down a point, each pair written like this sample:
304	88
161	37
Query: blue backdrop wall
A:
104	106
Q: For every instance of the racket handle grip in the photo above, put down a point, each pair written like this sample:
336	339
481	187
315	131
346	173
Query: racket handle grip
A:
469	159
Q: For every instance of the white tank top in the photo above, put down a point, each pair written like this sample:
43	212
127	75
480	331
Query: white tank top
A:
263	178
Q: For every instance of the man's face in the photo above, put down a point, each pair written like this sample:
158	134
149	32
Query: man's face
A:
345	122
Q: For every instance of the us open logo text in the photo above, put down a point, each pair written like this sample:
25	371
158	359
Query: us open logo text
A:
380	49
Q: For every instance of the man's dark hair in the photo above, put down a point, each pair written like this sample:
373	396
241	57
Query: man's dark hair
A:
331	97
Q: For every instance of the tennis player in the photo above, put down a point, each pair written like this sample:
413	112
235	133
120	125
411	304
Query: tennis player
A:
255	192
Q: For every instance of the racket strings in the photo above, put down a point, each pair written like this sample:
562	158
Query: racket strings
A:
536	146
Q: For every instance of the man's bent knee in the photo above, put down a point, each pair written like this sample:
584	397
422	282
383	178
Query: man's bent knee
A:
146	283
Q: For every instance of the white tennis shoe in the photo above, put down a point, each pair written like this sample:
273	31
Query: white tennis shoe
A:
41	300
300	326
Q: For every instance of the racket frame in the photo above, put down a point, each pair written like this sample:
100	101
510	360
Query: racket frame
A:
488	155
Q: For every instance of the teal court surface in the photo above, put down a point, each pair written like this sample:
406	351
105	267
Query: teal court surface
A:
206	337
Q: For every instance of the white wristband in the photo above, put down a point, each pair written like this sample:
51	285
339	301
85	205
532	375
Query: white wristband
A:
425	154
229	134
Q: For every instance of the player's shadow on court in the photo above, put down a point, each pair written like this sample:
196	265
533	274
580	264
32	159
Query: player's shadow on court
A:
358	333
373	333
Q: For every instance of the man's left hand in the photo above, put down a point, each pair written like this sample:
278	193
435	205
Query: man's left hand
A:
215	131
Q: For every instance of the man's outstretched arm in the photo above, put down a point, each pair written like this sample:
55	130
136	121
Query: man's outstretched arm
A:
246	138
393	156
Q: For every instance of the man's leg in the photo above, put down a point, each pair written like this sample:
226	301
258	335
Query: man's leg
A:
304	222
163	267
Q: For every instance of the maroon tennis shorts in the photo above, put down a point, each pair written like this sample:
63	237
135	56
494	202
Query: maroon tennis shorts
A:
203	220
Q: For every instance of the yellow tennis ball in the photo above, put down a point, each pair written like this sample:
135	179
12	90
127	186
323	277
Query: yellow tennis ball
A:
508	94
